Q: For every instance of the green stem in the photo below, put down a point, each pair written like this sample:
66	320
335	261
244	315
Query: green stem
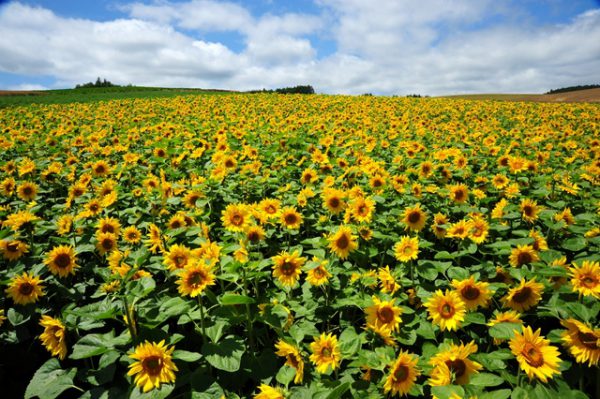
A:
202	318
130	321
248	316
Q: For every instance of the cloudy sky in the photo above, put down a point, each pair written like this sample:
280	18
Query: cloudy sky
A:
338	46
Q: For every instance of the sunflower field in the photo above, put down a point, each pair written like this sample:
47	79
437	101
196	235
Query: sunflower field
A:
286	246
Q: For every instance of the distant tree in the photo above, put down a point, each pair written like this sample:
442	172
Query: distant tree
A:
99	83
573	88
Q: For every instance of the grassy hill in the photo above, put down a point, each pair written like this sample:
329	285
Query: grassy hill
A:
8	98
589	95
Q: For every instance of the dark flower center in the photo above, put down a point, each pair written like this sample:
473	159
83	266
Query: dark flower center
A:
334	202
414	217
588	340
533	356
12	247
457	367
196	278
589	281
26	289
522	295
62	261
524	258
401	374
447	310
385	314
287	268
470	292
152	365
342	242
290	218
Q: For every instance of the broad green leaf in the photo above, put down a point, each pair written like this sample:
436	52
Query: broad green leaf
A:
186	356
236	299
486	380
505	330
50	381
226	355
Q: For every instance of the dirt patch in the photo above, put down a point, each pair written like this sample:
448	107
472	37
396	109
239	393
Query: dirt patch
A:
21	93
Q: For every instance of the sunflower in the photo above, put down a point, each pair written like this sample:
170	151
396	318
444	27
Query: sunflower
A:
318	275
268	392
438	227
290	218
473	294
235	217
529	209
414	218
406	249
459	229
255	233
453	366
2	317
403	374
27	191
446	310
459	193
309	176
387	281
535	356
25	289
325	353
7	187
270	207
585	279
94	207
523	255
153	365
132	235
500	181
333	200
108	225
526	295
176	221
287	267
582	341
190	198
479	230
343	242
293	358
178	257
21	220
383	317
61	261
361	209
53	336
13	249
100	168
154	241
106	242
194	279
539	242
565	215
64	224
498	210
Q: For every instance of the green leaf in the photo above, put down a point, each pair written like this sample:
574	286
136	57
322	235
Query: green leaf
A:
162	392
215	330
486	380
505	330
574	244
338	391
226	355
50	381
446	392
236	299
141	287
16	318
285	375
499	394
97	344
350	342
186	356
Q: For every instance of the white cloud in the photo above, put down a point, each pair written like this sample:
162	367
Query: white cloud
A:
399	47
27	87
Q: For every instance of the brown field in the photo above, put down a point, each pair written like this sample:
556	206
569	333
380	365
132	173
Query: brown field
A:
589	96
21	93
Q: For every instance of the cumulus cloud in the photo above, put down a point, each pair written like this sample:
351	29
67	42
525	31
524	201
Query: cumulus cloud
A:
399	47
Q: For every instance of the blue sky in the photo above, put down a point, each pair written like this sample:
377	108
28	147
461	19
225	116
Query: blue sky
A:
338	46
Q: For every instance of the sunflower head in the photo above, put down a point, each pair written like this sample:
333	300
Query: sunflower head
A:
106	242
585	279
459	193
177	257
61	261
536	357
473	293
25	288
383	317
53	336
406	249
523	255
290	218
235	217
194	278
343	242
325	353
318	275
414	218
153	365
582	341
13	249
27	191
287	267
447	310
523	297
403	374
293	358
453	365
